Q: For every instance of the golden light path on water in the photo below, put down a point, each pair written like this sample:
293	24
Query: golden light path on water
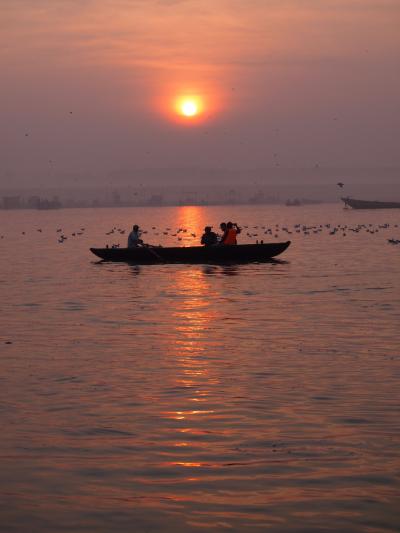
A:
203	397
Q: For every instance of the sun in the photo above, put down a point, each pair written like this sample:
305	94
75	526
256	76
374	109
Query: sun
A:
189	107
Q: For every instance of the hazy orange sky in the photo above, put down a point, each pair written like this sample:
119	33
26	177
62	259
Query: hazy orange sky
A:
87	85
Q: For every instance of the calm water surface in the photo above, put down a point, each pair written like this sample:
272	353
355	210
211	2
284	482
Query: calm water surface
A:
199	398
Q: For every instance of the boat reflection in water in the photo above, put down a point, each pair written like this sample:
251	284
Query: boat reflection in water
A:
225	270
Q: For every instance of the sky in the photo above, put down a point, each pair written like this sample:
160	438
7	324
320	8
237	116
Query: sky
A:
90	87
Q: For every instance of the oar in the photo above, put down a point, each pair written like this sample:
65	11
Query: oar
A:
151	250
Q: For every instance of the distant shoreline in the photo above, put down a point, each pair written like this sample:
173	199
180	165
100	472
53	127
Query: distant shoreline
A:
171	204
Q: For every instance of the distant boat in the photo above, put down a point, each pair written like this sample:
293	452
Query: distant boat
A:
370	204
147	255
293	203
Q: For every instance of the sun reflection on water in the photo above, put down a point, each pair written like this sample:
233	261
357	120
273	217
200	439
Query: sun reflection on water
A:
191	343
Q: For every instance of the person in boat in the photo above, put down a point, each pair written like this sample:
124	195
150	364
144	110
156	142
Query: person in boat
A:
209	237
134	239
232	230
221	237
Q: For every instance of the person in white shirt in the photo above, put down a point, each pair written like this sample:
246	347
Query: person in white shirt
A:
134	239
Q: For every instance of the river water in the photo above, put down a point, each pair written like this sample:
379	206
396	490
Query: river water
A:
200	398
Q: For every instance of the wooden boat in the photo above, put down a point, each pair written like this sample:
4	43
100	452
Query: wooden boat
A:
147	255
368	204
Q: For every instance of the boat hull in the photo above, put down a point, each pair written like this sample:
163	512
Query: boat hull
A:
242	253
368	204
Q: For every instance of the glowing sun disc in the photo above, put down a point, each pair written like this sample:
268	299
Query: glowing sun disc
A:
189	108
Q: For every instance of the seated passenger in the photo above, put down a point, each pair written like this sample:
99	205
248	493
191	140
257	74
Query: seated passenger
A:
134	239
209	238
232	230
224	232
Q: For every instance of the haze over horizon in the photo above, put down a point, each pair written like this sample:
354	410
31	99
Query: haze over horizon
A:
88	88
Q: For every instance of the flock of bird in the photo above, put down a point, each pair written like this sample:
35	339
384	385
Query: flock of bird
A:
156	231
257	233
63	237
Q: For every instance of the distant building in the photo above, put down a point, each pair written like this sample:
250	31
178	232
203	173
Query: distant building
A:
155	200
116	198
12	202
49	204
33	202
258	198
293	203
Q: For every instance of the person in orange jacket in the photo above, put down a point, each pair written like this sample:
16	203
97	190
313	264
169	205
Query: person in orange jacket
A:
232	230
